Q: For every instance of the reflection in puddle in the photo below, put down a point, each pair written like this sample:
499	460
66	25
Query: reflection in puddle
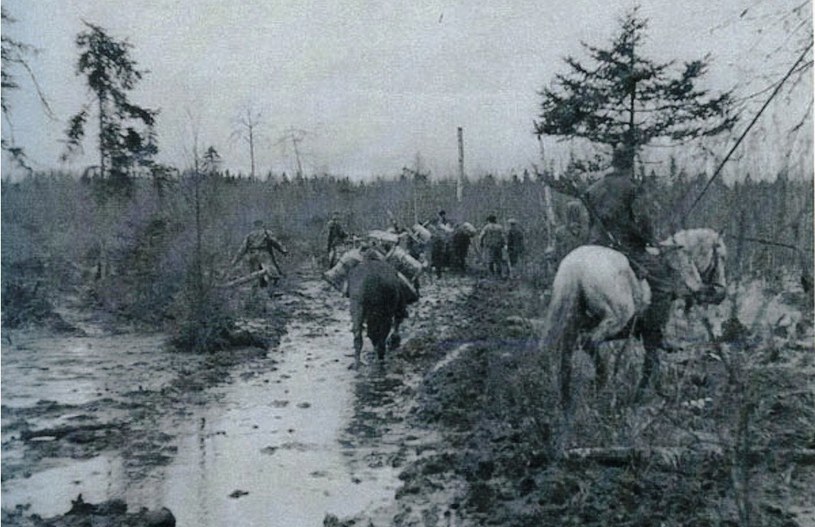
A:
98	479
269	453
263	449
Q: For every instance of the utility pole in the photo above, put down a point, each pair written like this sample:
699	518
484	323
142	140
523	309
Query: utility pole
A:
460	179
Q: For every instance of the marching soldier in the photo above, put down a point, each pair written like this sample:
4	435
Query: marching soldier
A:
259	248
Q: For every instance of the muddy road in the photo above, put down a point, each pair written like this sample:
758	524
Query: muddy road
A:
248	437
458	427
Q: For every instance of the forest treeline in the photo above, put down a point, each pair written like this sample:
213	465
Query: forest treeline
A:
138	256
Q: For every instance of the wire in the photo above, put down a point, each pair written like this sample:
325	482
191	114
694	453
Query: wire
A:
747	130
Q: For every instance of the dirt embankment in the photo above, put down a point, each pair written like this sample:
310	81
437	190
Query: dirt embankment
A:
726	439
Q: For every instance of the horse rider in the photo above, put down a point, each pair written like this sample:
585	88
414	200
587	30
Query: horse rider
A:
619	220
259	247
336	235
491	243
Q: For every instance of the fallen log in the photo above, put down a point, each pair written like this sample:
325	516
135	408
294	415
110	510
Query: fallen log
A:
61	432
669	457
621	456
247	278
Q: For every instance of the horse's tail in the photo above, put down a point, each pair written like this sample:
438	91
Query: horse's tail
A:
560	323
560	328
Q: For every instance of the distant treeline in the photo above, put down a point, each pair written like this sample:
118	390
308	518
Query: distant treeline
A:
139	250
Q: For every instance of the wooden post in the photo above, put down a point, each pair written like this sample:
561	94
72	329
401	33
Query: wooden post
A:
460	179
549	212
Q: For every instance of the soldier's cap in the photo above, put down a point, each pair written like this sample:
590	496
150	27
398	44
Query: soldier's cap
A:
442	213
512	221
491	218
258	223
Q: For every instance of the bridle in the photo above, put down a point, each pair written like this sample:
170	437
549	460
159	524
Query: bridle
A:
713	289
710	273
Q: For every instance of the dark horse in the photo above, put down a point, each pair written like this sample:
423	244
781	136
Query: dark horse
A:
449	249
379	300
597	297
459	246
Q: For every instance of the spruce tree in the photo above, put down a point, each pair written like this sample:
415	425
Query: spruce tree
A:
127	136
624	98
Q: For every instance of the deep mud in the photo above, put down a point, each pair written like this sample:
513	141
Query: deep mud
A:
457	427
727	441
249	436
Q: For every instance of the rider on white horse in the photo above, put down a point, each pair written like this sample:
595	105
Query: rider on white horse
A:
619	220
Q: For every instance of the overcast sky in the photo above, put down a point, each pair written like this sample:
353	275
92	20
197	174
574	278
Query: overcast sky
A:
374	83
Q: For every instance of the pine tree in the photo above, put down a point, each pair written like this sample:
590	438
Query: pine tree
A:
626	99
211	161
127	136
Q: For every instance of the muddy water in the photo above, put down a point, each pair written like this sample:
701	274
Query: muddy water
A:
272	446
275	438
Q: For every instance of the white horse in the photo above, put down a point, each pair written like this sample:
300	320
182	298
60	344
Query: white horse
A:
596	297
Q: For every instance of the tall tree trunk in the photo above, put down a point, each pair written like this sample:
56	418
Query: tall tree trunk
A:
102	146
252	152
297	156
632	139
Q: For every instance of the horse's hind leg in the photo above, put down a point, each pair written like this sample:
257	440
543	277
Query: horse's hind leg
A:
356	329
379	327
394	339
650	367
600	364
380	350
357	347
612	323
566	377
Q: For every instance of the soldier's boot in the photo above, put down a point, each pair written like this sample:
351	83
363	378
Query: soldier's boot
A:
660	280
656	316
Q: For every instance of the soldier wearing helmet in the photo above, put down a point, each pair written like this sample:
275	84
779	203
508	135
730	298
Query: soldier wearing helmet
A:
491	242
259	248
336	235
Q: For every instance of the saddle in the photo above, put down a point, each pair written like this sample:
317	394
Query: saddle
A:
649	270
640	269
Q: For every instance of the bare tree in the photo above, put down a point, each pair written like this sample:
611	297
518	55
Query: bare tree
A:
15	55
294	136
794	18
246	125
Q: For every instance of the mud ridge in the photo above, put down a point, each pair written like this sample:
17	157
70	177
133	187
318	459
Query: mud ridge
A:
498	457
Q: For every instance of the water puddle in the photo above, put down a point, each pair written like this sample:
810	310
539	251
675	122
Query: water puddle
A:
268	448
273	444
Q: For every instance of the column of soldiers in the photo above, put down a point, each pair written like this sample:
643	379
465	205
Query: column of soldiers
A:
501	249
